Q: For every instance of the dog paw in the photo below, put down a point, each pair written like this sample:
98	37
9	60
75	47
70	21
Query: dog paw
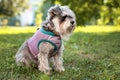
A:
60	69
45	70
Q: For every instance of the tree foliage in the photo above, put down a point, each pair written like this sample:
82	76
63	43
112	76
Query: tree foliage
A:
12	7
45	6
92	11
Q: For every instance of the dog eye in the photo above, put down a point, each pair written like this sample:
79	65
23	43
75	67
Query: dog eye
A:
64	17
70	17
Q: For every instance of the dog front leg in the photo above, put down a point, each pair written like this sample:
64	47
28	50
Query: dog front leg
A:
43	63
43	56
58	62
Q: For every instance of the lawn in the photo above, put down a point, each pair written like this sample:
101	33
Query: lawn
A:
92	53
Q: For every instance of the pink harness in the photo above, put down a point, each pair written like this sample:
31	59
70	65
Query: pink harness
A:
43	36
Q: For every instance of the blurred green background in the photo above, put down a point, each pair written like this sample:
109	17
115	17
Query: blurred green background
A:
32	12
92	52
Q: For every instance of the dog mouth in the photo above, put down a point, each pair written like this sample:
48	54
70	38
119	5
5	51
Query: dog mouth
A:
70	28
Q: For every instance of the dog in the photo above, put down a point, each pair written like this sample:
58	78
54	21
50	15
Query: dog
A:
47	42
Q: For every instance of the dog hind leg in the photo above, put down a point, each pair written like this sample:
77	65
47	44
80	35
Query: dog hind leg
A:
23	56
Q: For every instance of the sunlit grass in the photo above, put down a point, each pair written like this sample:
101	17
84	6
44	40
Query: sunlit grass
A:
17	30
98	29
88	29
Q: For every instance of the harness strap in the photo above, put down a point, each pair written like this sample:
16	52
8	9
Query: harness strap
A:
43	40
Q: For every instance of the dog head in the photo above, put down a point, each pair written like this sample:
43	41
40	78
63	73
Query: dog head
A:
63	19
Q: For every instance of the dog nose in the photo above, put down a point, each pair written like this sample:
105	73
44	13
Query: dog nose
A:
72	22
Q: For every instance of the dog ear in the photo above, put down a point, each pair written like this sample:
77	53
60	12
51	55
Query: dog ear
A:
55	10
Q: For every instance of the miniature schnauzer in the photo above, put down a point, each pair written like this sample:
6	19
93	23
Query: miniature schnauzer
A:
47	42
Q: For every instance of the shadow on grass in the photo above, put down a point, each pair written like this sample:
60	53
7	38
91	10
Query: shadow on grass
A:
14	38
80	43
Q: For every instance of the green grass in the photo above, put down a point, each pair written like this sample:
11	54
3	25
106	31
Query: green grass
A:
92	53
